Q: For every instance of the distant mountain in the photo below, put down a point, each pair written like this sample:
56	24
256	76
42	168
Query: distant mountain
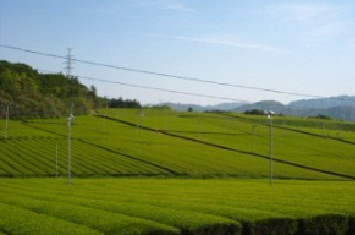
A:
273	105
345	113
340	107
325	103
338	111
196	107
224	106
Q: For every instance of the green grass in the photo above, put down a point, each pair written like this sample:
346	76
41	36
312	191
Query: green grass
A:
177	145
16	220
165	144
171	206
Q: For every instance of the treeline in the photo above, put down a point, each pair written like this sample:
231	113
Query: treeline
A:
126	104
320	116
30	94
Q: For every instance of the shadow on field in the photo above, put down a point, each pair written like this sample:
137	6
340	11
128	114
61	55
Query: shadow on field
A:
271	227
351	225
217	229
294	130
331	224
210	144
208	132
324	225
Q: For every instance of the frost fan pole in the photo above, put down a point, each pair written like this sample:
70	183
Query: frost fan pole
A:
70	119
253	133
270	148
7	120
56	160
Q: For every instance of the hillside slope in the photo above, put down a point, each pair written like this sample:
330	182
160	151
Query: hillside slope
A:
31	94
340	110
168	144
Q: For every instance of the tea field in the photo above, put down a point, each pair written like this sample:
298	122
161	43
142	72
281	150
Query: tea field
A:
179	173
166	144
176	206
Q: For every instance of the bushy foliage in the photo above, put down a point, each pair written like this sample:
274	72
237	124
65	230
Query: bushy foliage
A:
157	206
320	116
127	103
255	112
31	94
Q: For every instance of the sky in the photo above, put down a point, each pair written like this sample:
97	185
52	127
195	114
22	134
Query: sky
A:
293	46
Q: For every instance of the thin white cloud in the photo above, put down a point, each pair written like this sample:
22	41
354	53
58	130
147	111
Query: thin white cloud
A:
316	22
330	29
229	43
305	12
170	5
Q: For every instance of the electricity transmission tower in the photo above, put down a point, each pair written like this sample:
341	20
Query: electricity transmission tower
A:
69	62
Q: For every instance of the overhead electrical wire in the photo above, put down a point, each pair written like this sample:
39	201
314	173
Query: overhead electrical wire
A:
165	90
152	88
186	78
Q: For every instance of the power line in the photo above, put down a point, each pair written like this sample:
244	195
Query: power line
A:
193	79
173	91
153	88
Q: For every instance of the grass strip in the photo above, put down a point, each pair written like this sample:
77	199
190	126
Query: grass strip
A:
106	222
19	221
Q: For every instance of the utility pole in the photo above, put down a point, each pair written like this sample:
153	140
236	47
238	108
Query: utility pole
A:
104	127
7	120
71	108
271	166
165	121
253	135
69	67
140	113
198	129
70	119
105	114
137	123
56	160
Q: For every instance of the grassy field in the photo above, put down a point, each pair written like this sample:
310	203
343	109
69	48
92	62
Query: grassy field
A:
176	206
120	143
313	191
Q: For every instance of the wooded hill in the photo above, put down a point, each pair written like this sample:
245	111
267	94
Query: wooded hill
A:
31	94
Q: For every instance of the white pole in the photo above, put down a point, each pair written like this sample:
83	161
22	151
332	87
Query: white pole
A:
137	122
253	132
105	115
69	149
56	160
165	122
7	120
198	129
270	149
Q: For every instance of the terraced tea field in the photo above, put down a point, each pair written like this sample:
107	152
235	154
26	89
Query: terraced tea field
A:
159	143
175	206
165	144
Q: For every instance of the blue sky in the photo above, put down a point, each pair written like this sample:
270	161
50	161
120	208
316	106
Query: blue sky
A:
295	46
